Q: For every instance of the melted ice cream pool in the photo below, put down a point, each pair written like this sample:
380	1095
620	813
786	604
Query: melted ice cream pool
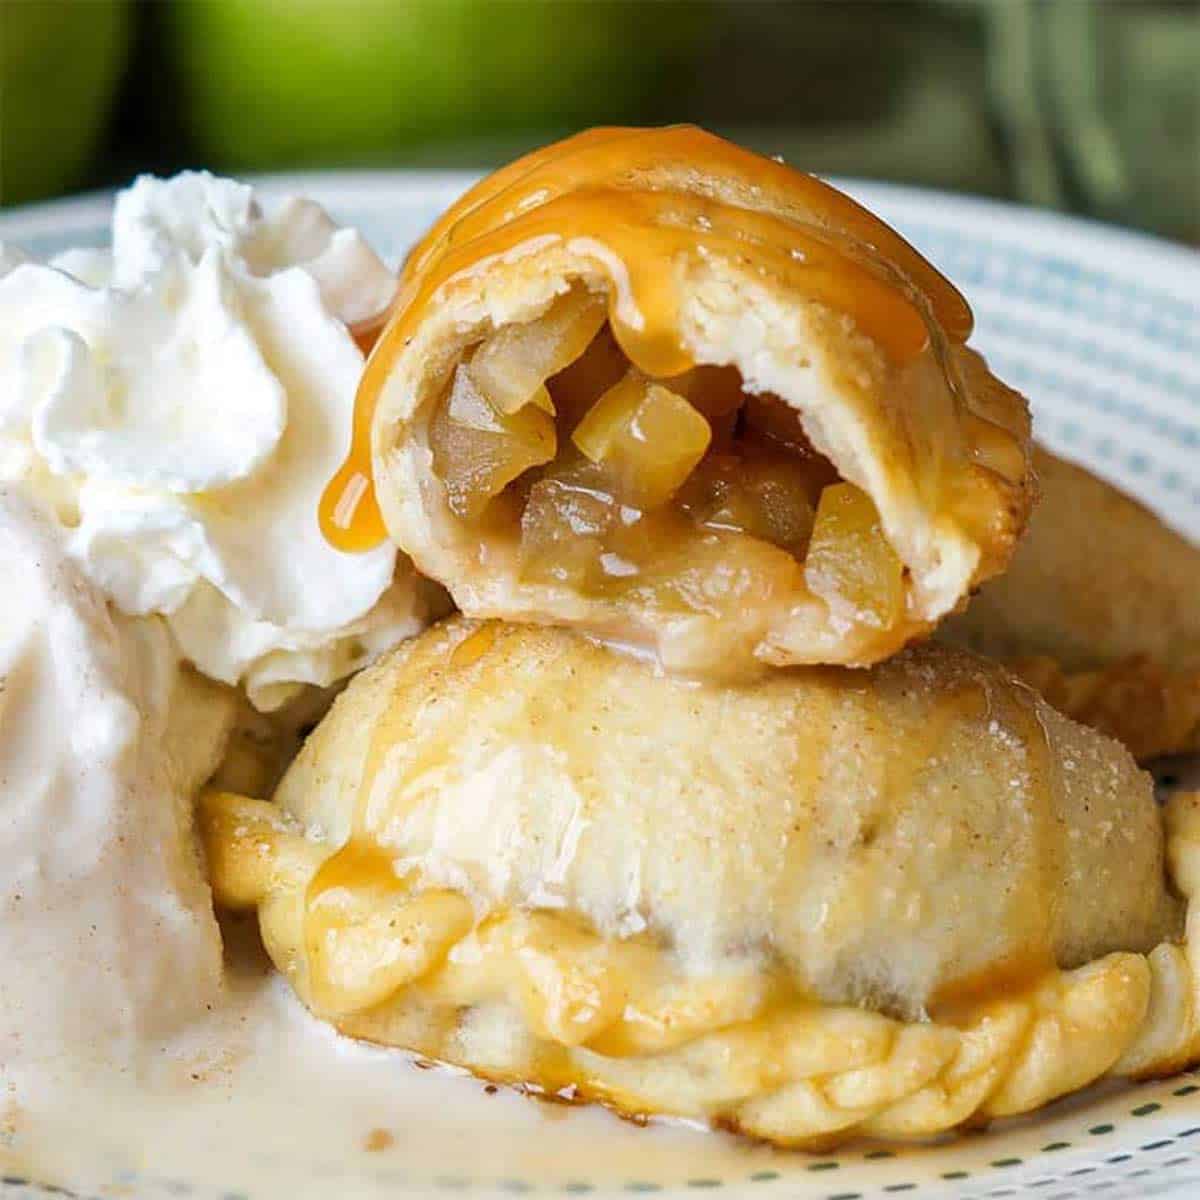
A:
178	403
261	1099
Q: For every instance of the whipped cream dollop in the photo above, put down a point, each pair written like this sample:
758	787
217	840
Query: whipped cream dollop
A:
107	935
179	402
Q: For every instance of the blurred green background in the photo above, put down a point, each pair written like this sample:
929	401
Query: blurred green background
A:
1086	105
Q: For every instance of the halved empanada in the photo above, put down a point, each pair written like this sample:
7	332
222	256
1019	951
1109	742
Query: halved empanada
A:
825	903
655	387
1099	610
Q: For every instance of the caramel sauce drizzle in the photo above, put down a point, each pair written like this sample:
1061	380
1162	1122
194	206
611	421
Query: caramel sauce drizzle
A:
637	202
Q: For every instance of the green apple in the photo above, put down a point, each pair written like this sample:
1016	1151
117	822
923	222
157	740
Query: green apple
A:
282	82
60	63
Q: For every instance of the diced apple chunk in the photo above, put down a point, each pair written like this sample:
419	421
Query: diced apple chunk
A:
685	494
512	366
478	451
850	563
684	569
647	438
562	533
761	494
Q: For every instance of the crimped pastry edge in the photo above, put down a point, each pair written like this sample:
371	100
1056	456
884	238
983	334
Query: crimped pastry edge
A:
841	1072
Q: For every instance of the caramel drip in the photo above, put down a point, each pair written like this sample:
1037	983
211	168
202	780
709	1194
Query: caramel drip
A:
1045	782
388	770
1010	977
473	647
641	204
1027	903
682	159
359	869
351	880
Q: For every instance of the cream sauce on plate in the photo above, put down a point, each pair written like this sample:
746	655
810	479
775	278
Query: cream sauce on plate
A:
260	1099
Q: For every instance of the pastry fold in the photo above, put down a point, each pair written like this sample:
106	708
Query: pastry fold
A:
822	904
651	386
1098	610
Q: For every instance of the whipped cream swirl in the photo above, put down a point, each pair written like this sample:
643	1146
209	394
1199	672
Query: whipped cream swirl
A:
178	403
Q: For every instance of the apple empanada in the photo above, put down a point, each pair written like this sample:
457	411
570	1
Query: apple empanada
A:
823	903
1099	611
647	384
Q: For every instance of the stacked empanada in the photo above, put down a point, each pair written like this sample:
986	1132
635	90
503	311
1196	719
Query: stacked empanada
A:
683	815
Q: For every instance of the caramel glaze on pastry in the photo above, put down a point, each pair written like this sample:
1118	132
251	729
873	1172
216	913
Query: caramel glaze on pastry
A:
1098	610
822	904
658	388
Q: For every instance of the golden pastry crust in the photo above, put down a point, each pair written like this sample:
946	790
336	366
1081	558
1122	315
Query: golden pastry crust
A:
779	909
1098	610
706	254
1152	711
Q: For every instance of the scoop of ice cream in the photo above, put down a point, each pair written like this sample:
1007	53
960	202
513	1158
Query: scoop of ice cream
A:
106	929
179	403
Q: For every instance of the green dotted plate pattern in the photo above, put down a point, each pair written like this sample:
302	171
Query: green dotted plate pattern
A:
1101	329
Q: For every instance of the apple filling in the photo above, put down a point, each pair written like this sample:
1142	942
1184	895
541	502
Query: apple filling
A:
685	493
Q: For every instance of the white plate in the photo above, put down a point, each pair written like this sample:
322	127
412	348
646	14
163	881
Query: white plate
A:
1101	329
